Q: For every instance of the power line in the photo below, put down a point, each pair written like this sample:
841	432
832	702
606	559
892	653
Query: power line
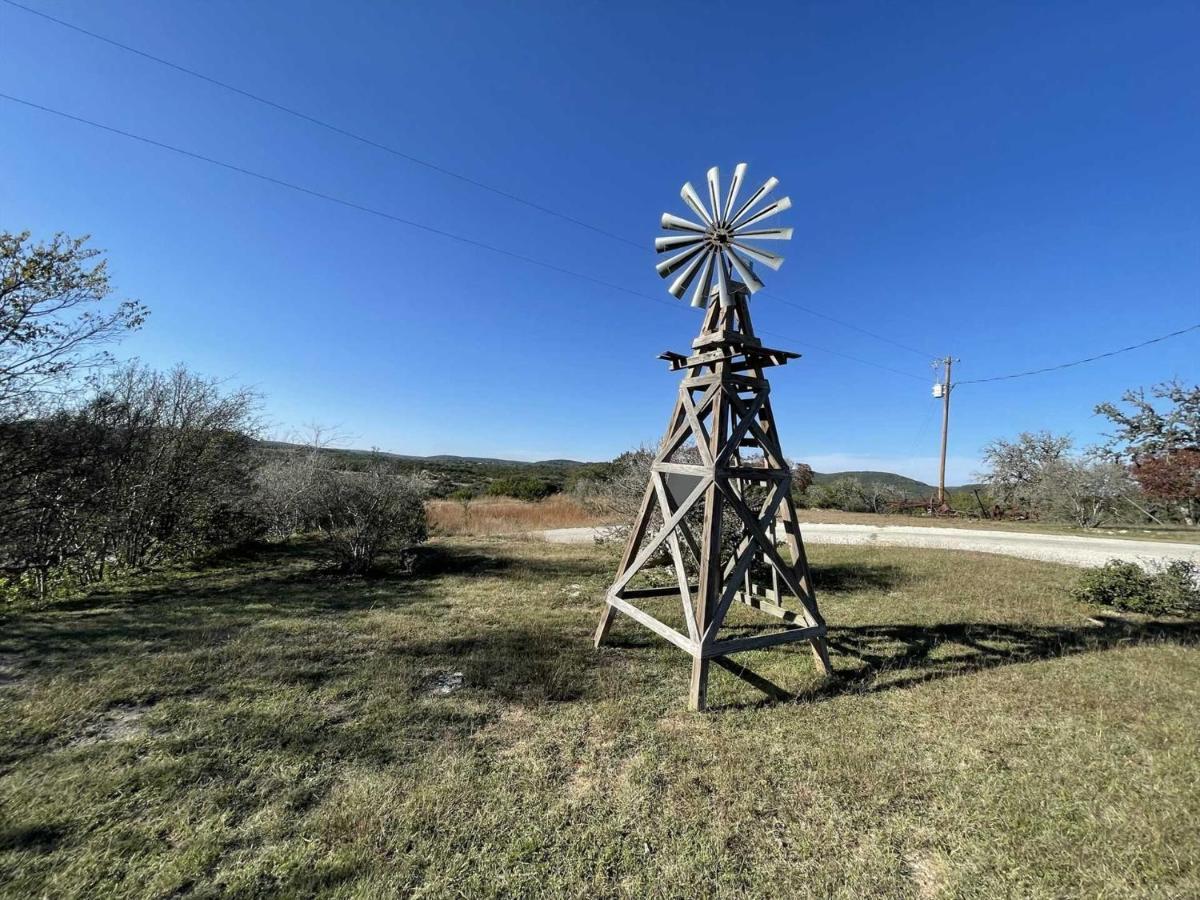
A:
344	132
350	204
1080	362
821	315
323	196
337	129
856	359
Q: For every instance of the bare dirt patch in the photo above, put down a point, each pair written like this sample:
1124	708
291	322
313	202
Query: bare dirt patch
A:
122	723
926	871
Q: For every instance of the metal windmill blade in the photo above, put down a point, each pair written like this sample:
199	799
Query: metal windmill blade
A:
717	248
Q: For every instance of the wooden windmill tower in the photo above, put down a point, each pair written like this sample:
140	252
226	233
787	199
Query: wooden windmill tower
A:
719	503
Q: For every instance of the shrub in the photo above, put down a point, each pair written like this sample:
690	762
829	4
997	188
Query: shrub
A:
1172	589
288	489
1178	587
359	513
364	513
847	494
521	487
142	468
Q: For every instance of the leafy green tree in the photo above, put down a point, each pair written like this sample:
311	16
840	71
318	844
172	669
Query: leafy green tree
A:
54	316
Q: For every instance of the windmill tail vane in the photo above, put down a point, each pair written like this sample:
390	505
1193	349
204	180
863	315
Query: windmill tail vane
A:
720	245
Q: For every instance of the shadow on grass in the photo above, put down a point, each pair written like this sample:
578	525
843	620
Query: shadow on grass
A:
280	594
31	838
842	578
893	657
206	607
439	560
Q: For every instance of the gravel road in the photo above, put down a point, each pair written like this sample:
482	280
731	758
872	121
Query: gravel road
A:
1059	548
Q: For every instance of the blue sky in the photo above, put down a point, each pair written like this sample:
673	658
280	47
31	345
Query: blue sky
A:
1015	184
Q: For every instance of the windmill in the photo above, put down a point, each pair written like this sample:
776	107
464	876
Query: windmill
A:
719	501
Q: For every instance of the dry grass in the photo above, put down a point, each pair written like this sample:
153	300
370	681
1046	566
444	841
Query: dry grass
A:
264	729
503	515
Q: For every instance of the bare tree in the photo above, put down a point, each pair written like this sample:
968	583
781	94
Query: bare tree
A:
879	497
288	482
54	316
1040	473
1015	468
1084	491
847	493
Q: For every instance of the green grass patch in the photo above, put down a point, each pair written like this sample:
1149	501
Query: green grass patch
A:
261	727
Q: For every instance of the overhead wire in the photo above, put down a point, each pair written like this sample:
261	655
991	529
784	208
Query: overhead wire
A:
1079	362
314	120
821	315
345	132
350	204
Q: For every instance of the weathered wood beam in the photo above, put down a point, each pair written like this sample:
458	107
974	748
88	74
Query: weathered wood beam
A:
643	593
758	641
681	641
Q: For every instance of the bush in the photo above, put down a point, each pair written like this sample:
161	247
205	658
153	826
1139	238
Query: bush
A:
521	487
1172	589
847	494
143	468
1178	587
364	513
359	513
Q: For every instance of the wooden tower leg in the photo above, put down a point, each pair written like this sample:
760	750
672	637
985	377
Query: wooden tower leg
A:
711	576
820	650
606	620
698	694
639	531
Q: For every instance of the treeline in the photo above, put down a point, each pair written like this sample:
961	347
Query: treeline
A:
1148	470
147	467
108	468
450	476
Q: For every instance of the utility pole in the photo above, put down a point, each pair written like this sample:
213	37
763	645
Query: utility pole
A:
943	390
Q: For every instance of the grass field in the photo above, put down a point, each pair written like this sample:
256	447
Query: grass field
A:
261	727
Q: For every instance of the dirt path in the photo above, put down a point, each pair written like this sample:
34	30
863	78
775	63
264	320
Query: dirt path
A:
1067	549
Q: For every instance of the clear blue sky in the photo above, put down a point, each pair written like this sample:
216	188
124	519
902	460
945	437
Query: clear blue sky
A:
1015	184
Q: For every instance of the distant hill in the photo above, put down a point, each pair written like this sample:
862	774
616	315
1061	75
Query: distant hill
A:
477	471
910	487
448	471
447	458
